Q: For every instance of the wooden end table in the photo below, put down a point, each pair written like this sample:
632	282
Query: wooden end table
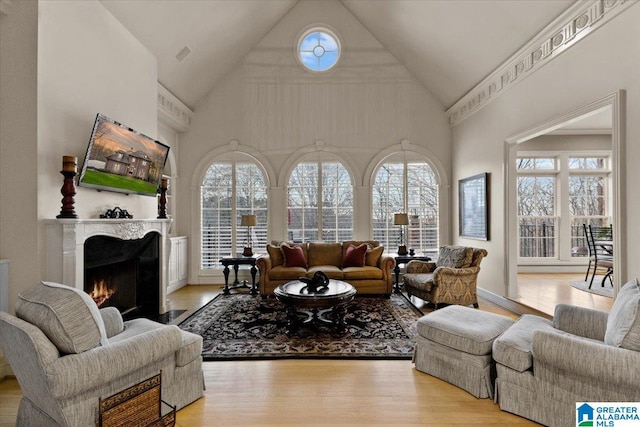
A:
295	296
237	261
404	259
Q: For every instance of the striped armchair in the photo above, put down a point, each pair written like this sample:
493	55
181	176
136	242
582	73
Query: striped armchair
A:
450	280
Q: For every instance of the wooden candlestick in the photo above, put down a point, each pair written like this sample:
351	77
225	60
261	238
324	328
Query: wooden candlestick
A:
68	190
162	205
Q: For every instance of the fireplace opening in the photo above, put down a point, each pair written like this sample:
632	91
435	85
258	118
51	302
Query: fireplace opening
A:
124	274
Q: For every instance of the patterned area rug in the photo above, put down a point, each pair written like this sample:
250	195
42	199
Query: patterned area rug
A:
242	326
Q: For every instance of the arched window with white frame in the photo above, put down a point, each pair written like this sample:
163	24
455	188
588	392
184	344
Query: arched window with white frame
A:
405	186
233	186
320	202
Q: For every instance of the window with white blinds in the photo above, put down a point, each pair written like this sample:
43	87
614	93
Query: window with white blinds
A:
229	190
320	202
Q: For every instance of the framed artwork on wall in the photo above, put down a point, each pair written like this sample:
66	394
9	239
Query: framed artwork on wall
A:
473	206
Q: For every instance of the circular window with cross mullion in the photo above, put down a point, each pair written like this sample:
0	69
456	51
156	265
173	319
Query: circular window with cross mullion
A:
318	49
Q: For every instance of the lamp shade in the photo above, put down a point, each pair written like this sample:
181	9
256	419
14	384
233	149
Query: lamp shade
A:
400	219
248	220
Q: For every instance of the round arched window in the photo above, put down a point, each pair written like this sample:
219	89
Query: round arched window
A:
318	49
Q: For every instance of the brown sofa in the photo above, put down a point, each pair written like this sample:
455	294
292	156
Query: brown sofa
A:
375	277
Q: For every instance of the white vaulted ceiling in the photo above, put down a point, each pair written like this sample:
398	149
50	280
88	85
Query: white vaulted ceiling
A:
447	45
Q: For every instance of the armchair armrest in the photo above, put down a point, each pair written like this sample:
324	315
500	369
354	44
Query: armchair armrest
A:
417	266
73	374
580	321
575	356
264	263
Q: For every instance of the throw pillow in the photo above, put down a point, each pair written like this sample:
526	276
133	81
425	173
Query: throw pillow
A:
293	256
372	257
623	324
66	315
275	254
355	256
455	257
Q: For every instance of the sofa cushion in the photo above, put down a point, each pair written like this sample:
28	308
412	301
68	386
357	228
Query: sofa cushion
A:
355	256
513	348
362	273
623	323
293	256
324	254
455	257
373	255
66	315
331	271
287	273
275	254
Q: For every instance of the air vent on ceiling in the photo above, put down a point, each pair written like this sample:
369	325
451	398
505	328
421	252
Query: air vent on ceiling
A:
183	53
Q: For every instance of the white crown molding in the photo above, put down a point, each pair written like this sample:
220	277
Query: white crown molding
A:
5	6
575	23
172	111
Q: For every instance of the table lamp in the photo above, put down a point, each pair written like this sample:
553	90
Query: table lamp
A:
248	221
401	219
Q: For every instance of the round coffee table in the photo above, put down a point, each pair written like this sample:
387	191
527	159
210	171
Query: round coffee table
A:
332	301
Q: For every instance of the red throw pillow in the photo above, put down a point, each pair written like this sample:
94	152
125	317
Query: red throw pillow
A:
354	256
293	256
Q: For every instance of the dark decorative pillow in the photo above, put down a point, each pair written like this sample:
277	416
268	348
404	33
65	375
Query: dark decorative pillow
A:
293	256
354	257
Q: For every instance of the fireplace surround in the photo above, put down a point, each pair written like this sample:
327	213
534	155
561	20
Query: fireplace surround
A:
136	248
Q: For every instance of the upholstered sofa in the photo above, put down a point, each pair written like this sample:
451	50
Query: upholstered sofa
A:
545	366
451	279
67	354
373	275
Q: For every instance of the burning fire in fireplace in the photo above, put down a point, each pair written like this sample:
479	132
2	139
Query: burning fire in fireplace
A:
101	292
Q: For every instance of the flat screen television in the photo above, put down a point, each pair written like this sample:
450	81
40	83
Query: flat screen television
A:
122	160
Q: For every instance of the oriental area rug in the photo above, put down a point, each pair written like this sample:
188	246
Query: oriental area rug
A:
242	327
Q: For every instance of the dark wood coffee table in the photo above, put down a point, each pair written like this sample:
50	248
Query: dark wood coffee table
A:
317	305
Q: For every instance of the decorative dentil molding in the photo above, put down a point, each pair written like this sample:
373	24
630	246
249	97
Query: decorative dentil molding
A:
564	32
172	111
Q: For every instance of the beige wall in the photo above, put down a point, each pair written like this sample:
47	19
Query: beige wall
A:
18	147
597	66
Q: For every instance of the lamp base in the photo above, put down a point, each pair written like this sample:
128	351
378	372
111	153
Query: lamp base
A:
402	250
247	252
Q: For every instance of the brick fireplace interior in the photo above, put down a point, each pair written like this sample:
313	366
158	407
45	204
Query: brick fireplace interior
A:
124	274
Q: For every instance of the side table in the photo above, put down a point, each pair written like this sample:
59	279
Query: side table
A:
237	261
404	259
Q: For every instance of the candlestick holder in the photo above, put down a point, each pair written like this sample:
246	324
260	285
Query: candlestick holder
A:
68	191
162	203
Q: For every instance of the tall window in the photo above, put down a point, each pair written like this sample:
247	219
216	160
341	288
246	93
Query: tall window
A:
229	190
320	202
562	182
411	187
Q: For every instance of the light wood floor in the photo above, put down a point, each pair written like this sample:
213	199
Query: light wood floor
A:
544	291
316	392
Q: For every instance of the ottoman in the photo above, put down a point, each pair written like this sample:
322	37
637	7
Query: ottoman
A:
454	344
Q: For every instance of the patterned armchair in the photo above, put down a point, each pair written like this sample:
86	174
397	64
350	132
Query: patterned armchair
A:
450	280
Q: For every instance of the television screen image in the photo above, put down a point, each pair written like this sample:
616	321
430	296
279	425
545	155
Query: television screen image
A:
122	160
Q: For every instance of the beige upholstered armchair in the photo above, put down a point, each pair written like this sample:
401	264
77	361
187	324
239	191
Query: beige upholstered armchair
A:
67	354
450	280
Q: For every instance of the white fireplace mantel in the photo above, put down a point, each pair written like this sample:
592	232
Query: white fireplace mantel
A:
65	246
